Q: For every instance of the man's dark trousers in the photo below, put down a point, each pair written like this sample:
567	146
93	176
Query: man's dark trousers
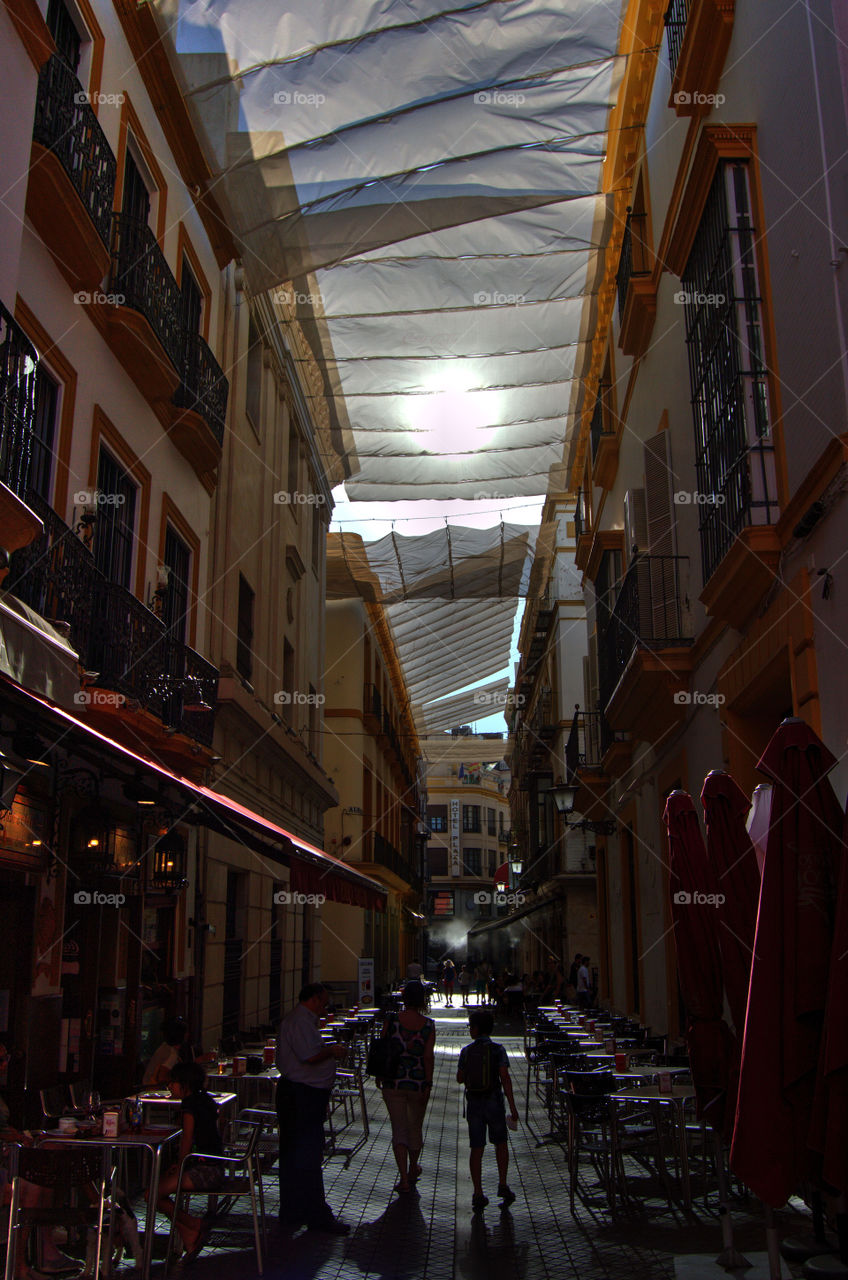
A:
301	1110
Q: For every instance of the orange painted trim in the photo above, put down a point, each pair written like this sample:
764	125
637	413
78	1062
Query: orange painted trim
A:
67	376
184	246
103	430
604	540
130	123
823	470
172	515
675	200
32	30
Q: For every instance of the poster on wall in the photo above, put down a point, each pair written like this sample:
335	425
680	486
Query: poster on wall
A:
366	984
49	920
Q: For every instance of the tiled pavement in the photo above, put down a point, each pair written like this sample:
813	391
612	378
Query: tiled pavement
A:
433	1233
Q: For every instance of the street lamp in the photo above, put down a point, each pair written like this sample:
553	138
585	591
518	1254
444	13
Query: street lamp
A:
565	796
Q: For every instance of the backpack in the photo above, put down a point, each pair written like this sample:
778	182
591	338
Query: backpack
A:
384	1055
480	1073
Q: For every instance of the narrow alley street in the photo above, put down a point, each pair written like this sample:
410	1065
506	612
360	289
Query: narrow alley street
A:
434	1233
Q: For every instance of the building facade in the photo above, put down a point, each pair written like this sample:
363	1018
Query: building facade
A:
710	459
372	750
469	846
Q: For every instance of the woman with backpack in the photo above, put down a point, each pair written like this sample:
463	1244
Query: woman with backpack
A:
407	1093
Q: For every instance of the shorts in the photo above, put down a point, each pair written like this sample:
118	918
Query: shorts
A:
406	1108
204	1176
486	1112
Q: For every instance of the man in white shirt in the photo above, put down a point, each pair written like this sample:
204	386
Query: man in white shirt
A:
307	1070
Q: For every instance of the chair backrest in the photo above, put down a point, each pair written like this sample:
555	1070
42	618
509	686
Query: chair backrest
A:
72	1167
244	1138
591	1084
55	1101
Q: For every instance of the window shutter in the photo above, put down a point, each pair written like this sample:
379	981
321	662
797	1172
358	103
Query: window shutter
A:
659	514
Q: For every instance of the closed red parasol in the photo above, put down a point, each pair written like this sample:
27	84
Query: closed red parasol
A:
734	862
694	897
789	972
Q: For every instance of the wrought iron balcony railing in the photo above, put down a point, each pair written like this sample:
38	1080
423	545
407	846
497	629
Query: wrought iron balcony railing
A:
389	857
142	277
588	740
66	124
18	364
373	702
579	515
676	17
113	632
633	260
652	610
203	388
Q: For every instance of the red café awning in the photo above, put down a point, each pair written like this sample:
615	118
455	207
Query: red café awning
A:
312	870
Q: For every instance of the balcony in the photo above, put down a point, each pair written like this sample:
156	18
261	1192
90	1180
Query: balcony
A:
372	708
162	683
698	35
637	297
643	649
582	531
593	755
145	327
198	431
386	855
72	175
18	364
603	440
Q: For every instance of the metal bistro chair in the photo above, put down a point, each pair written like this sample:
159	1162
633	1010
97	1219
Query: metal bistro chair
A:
55	1101
71	1169
242	1178
589	1129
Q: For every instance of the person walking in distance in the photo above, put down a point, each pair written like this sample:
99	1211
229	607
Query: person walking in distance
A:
406	1095
307	1070
448	979
483	1068
583	984
464	981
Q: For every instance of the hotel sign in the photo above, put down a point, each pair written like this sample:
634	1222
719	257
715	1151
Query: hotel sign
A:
453	840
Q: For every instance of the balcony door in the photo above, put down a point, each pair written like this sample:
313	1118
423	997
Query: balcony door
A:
135	200
192	299
177	559
62	28
114	531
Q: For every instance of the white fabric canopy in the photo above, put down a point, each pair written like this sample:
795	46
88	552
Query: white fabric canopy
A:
420	184
445	646
463	708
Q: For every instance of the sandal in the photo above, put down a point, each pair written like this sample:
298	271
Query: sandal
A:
191	1255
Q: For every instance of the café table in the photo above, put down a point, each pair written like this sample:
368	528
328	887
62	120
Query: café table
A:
676	1101
251	1090
162	1100
153	1138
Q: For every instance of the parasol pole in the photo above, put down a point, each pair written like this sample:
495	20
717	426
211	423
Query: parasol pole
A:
730	1258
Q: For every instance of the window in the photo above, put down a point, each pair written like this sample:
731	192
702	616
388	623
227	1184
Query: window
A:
177	558
317	539
471	862
492	864
635	259
288	679
244	635
603	415
43	432
471	817
437	821
253	389
734	452
313	721
294	462
437	861
114	530
63	30
490	822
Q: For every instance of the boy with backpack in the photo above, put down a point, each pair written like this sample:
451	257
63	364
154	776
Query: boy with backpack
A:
484	1070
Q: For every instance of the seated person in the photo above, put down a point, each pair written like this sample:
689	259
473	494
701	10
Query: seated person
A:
166	1057
53	1261
201	1136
